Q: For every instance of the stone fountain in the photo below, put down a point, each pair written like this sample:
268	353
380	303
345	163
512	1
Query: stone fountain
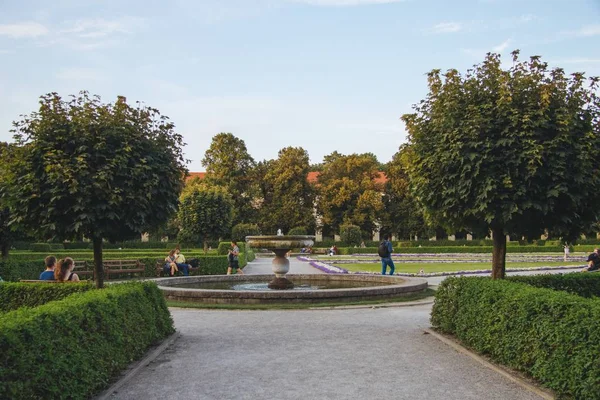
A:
280	245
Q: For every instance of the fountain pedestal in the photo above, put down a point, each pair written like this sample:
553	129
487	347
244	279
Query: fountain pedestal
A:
280	245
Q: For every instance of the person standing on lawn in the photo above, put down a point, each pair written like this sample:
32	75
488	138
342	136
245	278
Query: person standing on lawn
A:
385	252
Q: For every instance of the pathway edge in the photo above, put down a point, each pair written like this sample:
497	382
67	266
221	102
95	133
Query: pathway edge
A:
463	350
107	394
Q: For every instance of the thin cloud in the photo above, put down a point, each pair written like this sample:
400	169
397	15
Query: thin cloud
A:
577	61
589	30
80	74
23	30
447	27
502	46
99	28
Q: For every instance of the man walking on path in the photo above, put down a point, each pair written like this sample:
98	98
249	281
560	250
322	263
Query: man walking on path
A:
385	252
234	265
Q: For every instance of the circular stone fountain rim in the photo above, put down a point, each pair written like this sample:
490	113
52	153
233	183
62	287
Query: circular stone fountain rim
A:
405	286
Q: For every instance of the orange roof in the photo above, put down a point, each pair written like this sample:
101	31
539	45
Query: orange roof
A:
192	175
312	177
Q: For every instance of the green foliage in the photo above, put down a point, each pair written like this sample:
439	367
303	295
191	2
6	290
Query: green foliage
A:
287	196
581	284
448	243
402	214
14	295
350	234
240	231
92	335
230	166
551	335
204	213
43	247
514	150
348	192
298	231
224	247
103	171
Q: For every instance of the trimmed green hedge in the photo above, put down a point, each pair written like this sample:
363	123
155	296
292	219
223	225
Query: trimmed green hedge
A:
581	284
551	335
14	295
452	249
71	348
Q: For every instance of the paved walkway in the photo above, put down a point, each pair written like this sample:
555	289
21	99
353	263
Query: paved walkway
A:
379	353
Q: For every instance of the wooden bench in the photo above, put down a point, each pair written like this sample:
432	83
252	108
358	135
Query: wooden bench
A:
81	268
114	267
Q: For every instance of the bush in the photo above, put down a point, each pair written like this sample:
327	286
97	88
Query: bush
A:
42	247
350	234
240	231
76	245
581	284
552	335
14	295
110	328
298	231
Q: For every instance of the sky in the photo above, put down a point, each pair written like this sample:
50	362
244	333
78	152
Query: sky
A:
324	75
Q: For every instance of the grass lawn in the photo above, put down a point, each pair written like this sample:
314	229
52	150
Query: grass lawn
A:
295	306
447	267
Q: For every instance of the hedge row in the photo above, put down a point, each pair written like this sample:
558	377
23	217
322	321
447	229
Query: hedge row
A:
46	247
71	348
15	295
451	249
554	336
581	284
14	270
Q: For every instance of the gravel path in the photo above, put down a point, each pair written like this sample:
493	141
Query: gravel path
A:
379	353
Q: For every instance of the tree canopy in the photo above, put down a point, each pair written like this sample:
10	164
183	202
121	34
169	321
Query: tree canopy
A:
513	149
348	192
204	213
288	196
104	171
228	164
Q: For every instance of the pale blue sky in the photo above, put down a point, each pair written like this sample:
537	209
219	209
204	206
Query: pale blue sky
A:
322	74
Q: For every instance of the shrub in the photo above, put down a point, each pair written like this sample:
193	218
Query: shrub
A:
111	327
350	234
552	335
581	284
43	247
240	231
76	245
299	230
14	295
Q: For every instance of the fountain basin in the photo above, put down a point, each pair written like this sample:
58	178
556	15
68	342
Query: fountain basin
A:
370	287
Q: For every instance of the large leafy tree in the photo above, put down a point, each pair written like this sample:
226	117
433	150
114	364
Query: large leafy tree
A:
204	213
348	192
288	200
402	214
105	171
228	164
513	149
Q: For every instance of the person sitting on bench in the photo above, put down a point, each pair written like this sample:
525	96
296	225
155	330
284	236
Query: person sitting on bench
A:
64	271
180	262
593	261
48	274
170	266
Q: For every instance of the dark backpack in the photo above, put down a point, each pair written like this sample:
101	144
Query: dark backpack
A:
382	250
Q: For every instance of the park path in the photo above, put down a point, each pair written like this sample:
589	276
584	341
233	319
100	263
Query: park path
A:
368	353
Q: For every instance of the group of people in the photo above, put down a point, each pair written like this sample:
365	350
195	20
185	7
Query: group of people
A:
61	271
175	262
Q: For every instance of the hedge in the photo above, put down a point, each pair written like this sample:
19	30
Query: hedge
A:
14	295
15	270
553	336
71	348
581	284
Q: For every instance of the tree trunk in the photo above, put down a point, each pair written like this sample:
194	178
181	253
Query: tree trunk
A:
498	253
205	246
5	248
98	264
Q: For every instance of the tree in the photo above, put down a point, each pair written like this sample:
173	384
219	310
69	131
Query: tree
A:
513	149
402	214
288	196
228	164
204	213
348	191
105	171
